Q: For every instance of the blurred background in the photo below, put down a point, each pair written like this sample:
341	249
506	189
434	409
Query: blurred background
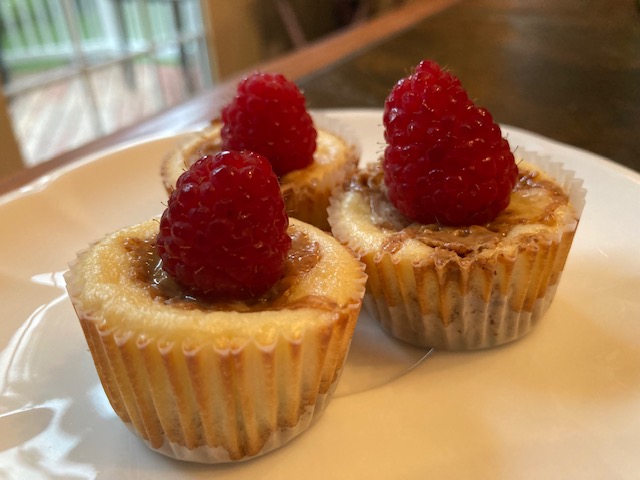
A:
74	70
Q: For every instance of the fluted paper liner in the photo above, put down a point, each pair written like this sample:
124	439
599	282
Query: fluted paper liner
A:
306	191
213	400
461	304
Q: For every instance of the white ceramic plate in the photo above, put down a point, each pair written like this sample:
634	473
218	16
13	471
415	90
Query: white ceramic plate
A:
564	402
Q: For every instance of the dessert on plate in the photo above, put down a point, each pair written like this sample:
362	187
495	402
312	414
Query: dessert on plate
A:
464	244
219	331
311	155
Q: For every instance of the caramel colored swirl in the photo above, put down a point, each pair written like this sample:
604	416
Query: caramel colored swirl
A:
534	200
146	268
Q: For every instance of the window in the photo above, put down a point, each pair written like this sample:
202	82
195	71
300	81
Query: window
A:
74	70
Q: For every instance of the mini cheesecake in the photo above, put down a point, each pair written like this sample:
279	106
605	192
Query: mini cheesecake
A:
469	287
216	381
306	191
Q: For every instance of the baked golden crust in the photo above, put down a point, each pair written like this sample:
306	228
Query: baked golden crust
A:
306	191
205	382
461	288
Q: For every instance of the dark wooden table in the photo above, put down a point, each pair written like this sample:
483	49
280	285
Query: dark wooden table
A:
566	69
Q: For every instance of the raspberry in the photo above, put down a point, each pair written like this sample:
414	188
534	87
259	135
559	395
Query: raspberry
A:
224	232
268	116
446	161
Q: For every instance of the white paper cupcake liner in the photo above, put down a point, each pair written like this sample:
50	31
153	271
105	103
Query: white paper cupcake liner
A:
212	406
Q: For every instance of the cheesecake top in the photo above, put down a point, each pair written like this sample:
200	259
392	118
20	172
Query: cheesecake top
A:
332	151
146	269
539	210
119	284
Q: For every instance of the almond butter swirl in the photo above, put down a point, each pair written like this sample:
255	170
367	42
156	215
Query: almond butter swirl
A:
534	200
146	268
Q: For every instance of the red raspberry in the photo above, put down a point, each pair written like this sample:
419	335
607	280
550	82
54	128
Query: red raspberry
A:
224	232
446	161
268	116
